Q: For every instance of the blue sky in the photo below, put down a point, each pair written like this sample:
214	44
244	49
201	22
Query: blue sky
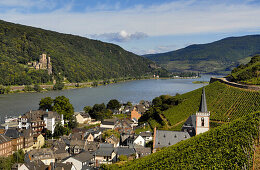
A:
140	26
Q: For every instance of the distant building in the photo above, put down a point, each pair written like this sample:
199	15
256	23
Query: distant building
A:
44	63
40	119
108	123
17	139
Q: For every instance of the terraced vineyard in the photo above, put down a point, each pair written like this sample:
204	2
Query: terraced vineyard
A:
230	146
225	103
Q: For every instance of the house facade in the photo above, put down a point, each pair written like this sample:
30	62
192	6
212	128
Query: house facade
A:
6	148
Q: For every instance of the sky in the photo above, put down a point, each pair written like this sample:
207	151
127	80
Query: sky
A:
140	26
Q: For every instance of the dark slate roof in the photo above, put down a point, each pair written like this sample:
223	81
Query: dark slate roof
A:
191	121
27	133
125	151
143	151
4	139
12	133
36	165
61	166
105	149
166	138
84	156
109	121
203	103
145	134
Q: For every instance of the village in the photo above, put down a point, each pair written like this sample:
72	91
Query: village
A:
92	143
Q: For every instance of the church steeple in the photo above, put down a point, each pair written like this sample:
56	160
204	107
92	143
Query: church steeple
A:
203	103
202	116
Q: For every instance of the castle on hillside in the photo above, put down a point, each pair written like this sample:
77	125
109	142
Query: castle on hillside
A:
44	63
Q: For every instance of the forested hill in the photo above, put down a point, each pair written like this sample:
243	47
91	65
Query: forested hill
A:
216	57
76	58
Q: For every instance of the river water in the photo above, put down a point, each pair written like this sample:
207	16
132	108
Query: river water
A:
133	91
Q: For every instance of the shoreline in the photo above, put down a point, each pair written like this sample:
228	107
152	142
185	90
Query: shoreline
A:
70	86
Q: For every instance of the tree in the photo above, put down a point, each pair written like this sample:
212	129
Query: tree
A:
113	104
99	112
46	103
37	88
129	104
63	106
72	123
18	157
58	86
59	130
87	109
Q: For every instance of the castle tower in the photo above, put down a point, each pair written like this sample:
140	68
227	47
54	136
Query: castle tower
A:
202	116
49	66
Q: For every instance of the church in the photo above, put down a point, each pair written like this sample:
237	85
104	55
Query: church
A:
194	125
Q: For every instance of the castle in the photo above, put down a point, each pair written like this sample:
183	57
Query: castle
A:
44	63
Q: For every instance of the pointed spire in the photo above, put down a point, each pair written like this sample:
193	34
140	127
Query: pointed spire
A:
203	103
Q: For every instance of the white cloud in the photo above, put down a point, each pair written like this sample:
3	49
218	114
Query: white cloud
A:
175	18
121	36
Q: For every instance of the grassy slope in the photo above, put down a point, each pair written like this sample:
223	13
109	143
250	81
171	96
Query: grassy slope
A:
229	146
249	74
218	56
224	102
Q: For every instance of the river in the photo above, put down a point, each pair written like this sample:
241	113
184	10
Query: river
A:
133	91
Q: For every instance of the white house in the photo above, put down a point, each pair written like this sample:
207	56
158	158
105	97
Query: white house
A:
139	140
82	117
51	119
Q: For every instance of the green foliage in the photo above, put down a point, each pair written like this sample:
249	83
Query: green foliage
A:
249	73
37	88
46	103
63	106
95	84
58	86
99	112
18	157
219	56
229	146
72	123
110	132
6	163
4	90
129	104
87	109
122	158
60	131
77	58
225	103
113	104
28	88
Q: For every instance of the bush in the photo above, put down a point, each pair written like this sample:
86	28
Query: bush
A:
58	86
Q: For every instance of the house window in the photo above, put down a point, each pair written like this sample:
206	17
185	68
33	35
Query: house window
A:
202	121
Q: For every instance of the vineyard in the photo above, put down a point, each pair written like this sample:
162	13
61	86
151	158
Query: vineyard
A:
230	146
225	103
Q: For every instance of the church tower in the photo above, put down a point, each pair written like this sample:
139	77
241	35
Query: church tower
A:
202	116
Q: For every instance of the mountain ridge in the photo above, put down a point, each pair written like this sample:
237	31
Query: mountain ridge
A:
215	57
75	58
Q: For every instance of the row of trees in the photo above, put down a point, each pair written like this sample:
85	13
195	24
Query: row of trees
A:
160	104
102	111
